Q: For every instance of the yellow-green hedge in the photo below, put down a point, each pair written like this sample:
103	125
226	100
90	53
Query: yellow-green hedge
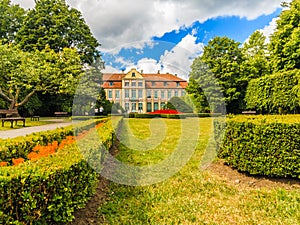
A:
264	145
49	190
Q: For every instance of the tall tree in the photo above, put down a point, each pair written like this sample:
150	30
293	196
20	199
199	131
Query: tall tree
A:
54	23
197	97
285	42
255	51
222	59
22	74
11	17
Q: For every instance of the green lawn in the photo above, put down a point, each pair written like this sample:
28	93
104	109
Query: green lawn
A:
191	196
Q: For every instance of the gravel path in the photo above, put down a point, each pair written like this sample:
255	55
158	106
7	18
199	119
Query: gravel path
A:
28	130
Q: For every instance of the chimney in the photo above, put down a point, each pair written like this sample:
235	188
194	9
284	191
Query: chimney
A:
142	71
175	74
158	72
123	71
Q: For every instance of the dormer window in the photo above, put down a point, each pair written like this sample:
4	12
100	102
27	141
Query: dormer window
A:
177	84
111	83
133	74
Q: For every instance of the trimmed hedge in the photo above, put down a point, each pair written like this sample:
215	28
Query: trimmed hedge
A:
20	147
276	93
48	191
263	145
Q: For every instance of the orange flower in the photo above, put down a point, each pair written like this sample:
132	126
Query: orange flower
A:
3	164
17	161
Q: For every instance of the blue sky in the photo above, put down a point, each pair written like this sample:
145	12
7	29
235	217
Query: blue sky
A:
168	35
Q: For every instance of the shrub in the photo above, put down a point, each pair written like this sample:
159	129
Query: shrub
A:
263	145
47	191
277	93
20	147
146	115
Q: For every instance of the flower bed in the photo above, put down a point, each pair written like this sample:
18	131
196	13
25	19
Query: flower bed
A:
54	179
166	111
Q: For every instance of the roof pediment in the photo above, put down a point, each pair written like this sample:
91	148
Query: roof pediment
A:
133	74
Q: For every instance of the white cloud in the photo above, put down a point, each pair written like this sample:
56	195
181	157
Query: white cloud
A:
176	61
269	29
180	58
115	22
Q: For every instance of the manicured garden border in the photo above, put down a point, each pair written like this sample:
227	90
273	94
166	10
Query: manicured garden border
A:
48	191
262	145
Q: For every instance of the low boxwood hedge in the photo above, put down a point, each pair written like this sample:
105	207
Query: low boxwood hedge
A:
48	191
263	145
20	147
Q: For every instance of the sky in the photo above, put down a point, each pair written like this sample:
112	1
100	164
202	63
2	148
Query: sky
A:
167	35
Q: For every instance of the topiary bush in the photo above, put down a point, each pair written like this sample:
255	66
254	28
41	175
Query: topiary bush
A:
263	145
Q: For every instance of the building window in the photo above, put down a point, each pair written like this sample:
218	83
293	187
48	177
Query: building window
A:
148	93
153	83
111	83
140	106
133	106
140	84
165	83
149	107
109	93
155	106
117	94
156	94
176	93
133	74
140	93
126	83
169	94
182	93
126	106
162	105
162	94
133	83
177	84
126	93
133	94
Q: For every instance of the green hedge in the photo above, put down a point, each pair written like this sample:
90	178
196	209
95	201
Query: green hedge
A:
263	145
276	93
21	146
48	191
147	116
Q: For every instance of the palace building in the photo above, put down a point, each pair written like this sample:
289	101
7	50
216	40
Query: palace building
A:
140	92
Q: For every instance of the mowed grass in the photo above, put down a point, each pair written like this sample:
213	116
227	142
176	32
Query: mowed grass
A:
191	196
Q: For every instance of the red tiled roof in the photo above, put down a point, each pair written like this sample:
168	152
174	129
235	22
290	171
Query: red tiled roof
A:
116	85
161	77
159	80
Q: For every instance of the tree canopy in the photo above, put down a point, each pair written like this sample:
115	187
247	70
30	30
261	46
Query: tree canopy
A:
54	23
256	62
222	59
285	42
22	74
11	17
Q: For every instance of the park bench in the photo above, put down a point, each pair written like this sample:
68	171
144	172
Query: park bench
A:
11	116
249	112
61	114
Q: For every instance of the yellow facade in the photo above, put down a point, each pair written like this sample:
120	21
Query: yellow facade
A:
142	93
